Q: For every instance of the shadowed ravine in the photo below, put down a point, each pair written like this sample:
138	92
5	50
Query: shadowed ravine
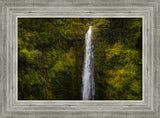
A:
88	88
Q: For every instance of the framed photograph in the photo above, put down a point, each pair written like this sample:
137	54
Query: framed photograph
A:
79	59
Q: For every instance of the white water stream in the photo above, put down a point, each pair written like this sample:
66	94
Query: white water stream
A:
88	87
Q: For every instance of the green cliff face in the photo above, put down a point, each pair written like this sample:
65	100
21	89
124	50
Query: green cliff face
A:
51	53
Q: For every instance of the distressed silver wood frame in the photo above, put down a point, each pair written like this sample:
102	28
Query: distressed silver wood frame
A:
11	10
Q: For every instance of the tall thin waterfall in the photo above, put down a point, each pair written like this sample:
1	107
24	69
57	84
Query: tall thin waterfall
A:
88	88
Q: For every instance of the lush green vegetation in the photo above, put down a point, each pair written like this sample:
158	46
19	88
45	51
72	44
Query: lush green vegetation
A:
51	53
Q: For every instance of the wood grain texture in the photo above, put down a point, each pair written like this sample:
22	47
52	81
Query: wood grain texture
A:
11	9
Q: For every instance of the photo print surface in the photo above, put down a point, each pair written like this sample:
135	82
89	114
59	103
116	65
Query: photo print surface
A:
79	58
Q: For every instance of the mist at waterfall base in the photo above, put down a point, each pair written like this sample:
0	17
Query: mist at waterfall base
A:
88	85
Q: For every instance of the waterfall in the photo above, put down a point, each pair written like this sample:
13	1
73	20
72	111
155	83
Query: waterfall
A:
88	85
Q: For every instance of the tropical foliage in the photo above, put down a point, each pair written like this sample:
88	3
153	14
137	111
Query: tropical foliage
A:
51	53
